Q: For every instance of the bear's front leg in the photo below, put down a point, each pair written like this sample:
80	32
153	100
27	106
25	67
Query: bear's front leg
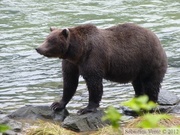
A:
70	83
95	88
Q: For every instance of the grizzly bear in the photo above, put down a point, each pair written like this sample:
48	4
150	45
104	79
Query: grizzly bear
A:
123	53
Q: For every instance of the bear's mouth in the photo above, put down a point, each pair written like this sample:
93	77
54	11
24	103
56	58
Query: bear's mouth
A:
48	54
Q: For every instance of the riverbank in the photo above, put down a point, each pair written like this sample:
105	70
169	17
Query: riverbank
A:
23	119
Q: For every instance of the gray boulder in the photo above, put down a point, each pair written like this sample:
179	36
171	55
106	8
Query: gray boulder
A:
25	116
38	112
167	98
86	122
15	126
168	102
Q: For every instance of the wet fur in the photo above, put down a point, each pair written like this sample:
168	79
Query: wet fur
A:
123	53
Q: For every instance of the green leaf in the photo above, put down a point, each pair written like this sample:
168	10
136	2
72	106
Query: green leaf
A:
151	120
140	103
3	128
113	116
142	99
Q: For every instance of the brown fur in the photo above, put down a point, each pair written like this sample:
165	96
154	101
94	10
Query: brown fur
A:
123	53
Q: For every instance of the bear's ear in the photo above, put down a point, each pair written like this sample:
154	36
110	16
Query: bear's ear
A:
65	32
51	29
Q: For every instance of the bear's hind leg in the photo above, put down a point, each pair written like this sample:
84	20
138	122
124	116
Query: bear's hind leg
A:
138	87
152	87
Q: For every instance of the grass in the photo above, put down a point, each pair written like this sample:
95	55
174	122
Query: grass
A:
171	122
108	130
49	128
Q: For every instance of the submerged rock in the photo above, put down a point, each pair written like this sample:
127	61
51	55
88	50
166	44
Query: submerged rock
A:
38	112
86	122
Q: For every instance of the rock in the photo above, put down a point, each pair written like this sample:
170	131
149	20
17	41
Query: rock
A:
38	112
175	109
24	116
10	132
129	112
86	122
168	102
167	98
15	126
2	114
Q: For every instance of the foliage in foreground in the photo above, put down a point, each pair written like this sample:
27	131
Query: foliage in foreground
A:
138	104
3	128
113	116
172	122
152	120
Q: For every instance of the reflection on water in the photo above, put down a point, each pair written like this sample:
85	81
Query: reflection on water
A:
28	78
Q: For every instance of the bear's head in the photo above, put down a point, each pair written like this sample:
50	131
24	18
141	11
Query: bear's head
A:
56	44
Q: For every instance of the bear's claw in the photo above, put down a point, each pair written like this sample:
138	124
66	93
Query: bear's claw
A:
57	106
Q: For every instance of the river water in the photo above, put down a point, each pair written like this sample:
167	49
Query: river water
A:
27	78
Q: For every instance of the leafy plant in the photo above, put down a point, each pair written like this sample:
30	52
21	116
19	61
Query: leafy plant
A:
152	120
113	116
140	103
137	104
3	128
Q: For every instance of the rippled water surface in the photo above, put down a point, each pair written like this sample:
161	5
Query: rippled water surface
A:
27	78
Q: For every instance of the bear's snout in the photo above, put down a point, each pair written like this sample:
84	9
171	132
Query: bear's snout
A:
44	52
38	50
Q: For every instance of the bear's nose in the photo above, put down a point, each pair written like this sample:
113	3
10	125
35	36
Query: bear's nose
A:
37	49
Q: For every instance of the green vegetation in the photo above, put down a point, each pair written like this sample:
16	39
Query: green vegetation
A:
113	116
3	128
152	120
146	120
140	104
